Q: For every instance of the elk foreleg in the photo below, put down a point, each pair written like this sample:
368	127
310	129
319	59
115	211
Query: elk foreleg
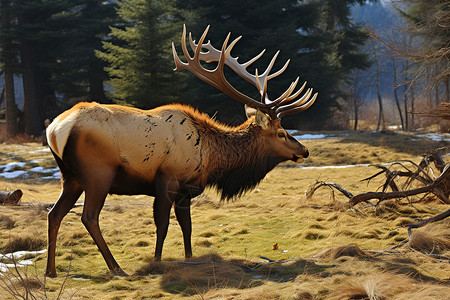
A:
71	191
183	214
95	198
166	190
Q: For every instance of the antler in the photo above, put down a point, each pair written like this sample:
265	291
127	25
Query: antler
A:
277	108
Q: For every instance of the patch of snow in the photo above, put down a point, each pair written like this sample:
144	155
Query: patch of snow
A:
42	170
14	174
394	127
10	166
308	136
334	167
40	149
17	256
437	137
55	175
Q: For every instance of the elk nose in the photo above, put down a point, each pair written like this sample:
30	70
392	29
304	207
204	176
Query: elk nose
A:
306	154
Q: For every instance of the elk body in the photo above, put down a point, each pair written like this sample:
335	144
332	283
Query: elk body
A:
171	152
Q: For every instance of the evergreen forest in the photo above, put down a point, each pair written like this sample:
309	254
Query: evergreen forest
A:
55	53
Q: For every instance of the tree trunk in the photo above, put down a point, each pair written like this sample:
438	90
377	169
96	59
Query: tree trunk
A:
406	110
412	105
355	101
380	102
405	96
32	90
11	107
436	95
397	102
447	90
96	90
8	60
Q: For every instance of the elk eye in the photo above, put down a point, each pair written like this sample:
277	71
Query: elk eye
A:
281	135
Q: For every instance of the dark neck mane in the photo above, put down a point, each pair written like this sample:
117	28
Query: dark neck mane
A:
232	180
238	157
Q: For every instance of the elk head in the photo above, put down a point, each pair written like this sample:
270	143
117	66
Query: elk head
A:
267	112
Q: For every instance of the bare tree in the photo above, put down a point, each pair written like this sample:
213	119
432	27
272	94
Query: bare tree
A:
431	50
397	102
355	98
381	120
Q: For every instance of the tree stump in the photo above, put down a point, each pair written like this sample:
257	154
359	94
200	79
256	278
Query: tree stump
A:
10	198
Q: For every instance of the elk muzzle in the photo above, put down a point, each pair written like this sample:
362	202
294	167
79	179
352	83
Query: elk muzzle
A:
301	155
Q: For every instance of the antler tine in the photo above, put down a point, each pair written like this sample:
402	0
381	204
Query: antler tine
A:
283	98
276	109
280	71
282	111
248	63
192	42
268	76
183	44
262	89
296	103
214	77
213	54
290	98
202	38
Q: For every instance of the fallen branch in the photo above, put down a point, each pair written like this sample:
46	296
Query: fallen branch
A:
319	184
436	218
439	186
385	196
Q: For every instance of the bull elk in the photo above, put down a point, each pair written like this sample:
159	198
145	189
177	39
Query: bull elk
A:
171	152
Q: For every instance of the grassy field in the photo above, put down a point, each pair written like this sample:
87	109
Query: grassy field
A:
324	249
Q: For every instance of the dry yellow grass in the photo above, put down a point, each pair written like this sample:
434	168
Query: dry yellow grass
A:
321	242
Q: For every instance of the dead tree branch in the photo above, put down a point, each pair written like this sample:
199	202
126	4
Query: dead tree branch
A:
439	186
433	219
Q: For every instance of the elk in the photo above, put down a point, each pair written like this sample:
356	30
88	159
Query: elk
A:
171	152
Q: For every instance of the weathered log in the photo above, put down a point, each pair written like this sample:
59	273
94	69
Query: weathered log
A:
10	198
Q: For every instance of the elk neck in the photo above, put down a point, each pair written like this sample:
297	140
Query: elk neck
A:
238	158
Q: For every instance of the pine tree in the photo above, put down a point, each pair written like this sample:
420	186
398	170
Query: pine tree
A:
273	25
55	44
317	36
76	70
340	51
139	55
40	32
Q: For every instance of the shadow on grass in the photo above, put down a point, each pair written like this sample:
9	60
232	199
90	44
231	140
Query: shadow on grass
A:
201	274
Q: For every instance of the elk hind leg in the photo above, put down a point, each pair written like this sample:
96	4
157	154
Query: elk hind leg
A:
183	214
93	204
71	191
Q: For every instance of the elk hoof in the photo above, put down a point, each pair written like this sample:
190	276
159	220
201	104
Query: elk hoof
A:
119	272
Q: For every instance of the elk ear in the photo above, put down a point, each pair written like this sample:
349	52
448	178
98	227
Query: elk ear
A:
249	111
262	120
